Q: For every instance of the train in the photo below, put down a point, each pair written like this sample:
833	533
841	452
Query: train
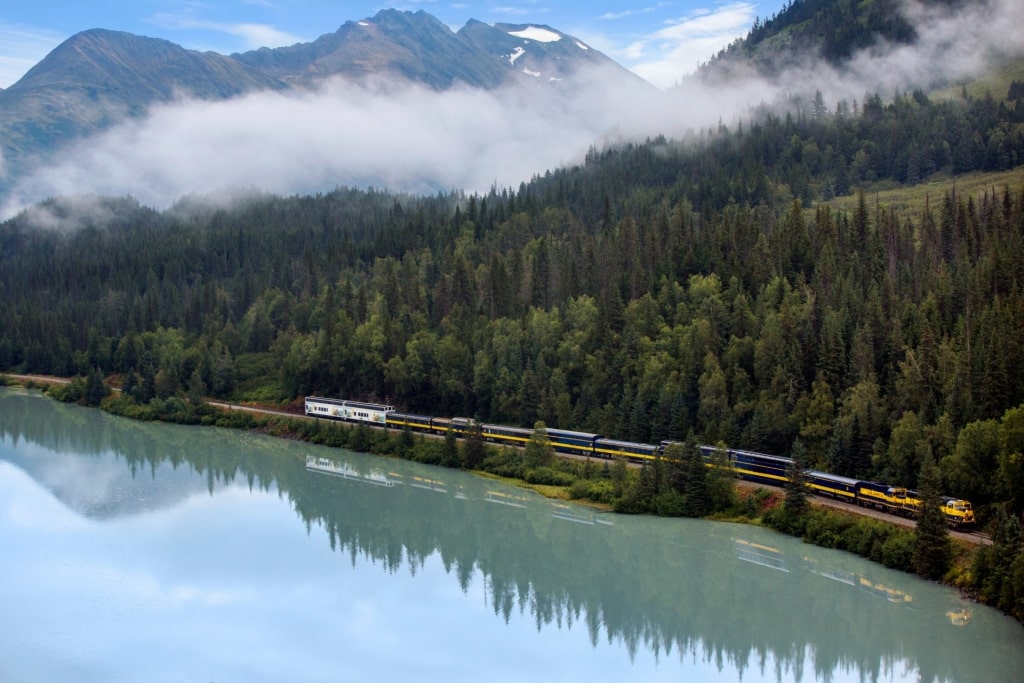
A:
748	465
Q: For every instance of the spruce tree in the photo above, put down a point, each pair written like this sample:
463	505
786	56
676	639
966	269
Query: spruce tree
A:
474	450
720	480
539	451
95	390
796	504
698	499
196	388
130	384
451	449
932	549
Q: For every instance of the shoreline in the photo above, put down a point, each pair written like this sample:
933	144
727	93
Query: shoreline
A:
969	544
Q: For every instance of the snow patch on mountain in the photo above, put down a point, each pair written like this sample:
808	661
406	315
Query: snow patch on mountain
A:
516	54
541	35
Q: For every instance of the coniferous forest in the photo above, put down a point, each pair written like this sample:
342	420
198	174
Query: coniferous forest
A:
701	287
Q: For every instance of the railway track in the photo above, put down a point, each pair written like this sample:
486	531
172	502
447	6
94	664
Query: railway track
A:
974	537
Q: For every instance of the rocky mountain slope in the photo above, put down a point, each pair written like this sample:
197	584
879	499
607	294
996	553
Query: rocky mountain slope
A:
99	78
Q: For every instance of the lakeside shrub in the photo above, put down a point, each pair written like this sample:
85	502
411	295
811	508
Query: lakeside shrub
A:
72	392
504	462
429	452
898	551
549	476
878	541
671	503
599	491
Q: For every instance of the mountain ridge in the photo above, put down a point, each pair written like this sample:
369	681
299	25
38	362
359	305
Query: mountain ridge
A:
98	78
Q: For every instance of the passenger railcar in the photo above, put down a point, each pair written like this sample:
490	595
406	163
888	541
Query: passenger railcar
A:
352	411
631	450
575	443
749	465
513	436
417	423
832	485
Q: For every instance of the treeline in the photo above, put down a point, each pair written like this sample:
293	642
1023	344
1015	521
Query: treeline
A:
657	291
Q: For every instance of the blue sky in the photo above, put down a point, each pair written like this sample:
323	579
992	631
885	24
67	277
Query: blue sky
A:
660	40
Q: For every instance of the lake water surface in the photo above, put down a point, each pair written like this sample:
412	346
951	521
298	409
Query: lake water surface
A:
141	552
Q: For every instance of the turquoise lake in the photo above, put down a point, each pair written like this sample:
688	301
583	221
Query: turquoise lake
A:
147	552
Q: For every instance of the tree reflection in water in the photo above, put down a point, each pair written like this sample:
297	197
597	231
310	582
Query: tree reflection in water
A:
718	593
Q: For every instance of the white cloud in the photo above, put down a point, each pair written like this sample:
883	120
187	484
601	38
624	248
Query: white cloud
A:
409	138
665	56
518	11
611	16
261	35
23	47
252	35
404	137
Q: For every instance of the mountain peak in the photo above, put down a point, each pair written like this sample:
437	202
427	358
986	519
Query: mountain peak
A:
403	18
536	32
98	78
101	60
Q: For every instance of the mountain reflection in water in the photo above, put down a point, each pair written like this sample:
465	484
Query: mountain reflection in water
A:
730	596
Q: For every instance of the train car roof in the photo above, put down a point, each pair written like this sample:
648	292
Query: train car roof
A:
395	413
324	399
368	406
570	433
350	404
613	442
755	454
880	486
521	430
833	477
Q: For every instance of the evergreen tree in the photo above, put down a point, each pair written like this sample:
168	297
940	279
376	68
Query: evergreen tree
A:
406	440
130	384
720	477
932	549
620	477
539	451
196	388
641	497
796	504
359	438
95	389
994	565
474	450
451	449
698	499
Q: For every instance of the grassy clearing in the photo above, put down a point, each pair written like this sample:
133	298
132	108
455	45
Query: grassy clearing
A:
996	83
910	202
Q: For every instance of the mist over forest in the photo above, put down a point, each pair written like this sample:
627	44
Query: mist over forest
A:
407	137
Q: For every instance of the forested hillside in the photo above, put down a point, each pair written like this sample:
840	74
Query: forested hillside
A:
833	30
656	290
